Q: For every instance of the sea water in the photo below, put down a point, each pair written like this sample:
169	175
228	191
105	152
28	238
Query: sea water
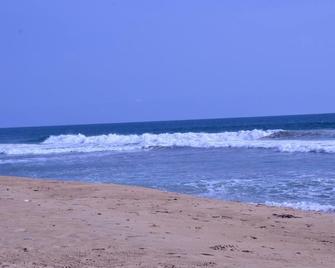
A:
283	161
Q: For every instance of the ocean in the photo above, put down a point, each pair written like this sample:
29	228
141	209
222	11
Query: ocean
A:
283	161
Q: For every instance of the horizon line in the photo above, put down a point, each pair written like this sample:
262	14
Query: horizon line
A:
169	120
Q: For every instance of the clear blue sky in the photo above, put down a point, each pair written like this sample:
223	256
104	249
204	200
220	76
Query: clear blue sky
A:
90	61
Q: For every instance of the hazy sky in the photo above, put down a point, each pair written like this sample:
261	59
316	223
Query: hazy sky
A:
90	61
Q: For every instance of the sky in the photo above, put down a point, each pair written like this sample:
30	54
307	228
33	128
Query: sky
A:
88	61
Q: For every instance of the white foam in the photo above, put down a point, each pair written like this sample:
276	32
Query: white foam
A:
303	206
114	142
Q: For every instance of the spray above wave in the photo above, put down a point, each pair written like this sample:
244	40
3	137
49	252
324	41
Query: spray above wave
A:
264	139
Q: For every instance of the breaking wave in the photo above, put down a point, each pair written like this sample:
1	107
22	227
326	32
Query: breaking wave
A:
280	140
304	134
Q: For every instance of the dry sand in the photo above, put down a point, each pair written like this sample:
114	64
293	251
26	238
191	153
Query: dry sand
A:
61	224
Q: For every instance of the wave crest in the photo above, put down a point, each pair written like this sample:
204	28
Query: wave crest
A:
190	139
264	139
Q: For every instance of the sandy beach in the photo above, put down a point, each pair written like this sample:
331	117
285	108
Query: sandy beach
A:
48	223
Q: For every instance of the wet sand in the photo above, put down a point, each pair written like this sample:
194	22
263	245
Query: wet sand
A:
47	223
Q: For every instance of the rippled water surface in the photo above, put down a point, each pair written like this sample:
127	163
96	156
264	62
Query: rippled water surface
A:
287	160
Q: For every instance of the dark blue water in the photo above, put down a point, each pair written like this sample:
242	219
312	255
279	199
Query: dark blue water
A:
286	160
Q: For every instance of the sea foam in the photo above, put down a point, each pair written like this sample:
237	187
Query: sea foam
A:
303	206
79	143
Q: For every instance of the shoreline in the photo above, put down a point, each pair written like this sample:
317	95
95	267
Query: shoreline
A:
267	204
54	223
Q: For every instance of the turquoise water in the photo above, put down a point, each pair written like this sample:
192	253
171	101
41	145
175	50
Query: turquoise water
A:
284	161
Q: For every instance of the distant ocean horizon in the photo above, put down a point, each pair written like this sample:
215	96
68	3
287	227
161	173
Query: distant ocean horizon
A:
275	160
166	120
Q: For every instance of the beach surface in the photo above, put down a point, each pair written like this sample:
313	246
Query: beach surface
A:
46	223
